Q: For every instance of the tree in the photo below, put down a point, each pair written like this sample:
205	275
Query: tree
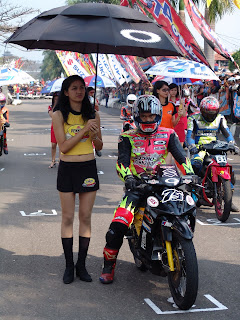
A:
11	17
236	57
51	66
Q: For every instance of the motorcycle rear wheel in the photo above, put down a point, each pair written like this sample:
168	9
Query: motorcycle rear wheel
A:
183	281
223	201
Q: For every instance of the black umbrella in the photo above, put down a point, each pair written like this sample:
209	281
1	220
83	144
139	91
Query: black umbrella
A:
95	27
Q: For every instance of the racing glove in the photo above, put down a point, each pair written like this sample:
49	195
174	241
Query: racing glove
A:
130	183
193	149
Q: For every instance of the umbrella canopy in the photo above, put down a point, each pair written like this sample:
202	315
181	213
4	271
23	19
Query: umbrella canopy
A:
47	88
10	76
57	85
102	82
180	68
95	27
169	80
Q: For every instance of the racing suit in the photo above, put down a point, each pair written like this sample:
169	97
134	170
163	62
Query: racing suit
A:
200	131
137	153
126	115
5	114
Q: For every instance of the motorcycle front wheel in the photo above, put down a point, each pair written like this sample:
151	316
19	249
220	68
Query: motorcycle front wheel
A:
183	281
223	201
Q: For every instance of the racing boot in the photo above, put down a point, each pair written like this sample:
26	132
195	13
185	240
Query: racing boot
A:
67	244
81	270
110	258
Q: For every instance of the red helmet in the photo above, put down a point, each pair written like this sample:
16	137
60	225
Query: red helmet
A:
147	103
209	108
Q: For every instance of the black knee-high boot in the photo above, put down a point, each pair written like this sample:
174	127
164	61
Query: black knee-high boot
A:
67	244
81	271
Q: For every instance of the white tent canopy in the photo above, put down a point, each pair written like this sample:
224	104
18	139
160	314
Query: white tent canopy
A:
10	76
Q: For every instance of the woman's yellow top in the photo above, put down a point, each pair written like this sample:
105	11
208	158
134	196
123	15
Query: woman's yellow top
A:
74	124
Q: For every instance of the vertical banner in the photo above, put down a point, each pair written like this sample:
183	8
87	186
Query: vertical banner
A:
74	67
205	30
166	16
60	55
116	69
129	67
101	71
138	69
104	62
88	61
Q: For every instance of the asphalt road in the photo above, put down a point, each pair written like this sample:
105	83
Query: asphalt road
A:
31	259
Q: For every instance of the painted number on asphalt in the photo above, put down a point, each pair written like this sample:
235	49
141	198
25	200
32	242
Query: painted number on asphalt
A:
38	213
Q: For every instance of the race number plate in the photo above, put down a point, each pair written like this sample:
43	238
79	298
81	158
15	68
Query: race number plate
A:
221	159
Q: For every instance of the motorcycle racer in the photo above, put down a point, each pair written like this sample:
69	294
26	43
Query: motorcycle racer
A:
126	113
204	128
140	150
4	121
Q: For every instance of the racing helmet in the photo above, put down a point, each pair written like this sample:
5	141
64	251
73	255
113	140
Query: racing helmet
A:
147	103
186	93
209	108
131	98
2	99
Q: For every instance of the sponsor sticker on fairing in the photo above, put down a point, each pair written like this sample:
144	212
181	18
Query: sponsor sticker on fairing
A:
190	200
152	202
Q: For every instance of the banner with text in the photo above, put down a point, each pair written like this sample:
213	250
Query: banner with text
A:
205	30
166	16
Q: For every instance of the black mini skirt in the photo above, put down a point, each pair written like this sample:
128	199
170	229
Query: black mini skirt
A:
77	177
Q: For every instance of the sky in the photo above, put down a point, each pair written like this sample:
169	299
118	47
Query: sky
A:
227	29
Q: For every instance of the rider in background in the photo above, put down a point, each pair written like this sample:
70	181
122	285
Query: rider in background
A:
126	112
139	151
203	128
4	120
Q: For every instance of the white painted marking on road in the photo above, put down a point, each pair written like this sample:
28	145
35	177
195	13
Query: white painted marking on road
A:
38	213
35	154
112	156
113	129
230	159
215	222
219	307
10	139
2	169
100	172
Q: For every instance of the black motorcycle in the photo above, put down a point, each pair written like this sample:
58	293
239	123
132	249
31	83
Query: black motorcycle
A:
161	235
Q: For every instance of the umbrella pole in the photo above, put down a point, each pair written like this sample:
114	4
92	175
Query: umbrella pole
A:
95	87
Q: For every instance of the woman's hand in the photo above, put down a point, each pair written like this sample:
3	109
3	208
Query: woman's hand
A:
91	126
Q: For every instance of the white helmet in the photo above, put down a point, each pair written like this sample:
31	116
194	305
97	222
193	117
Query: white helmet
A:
131	98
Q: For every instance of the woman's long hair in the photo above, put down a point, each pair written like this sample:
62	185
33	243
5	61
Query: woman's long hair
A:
172	86
158	85
63	103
